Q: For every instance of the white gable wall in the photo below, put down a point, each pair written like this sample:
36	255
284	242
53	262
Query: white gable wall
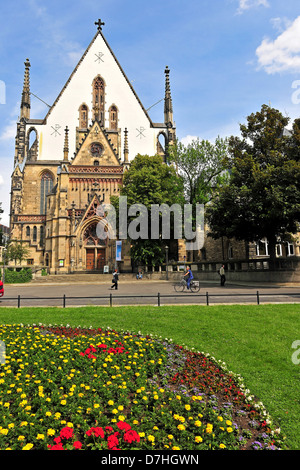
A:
65	112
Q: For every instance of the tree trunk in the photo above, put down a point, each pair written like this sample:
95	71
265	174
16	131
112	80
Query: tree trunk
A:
272	252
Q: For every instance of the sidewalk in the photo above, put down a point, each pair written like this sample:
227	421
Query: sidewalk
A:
100	279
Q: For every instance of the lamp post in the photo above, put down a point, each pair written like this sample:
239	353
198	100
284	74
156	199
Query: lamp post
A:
167	261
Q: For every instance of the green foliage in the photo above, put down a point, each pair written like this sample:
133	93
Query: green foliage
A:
16	277
148	182
16	252
262	198
202	166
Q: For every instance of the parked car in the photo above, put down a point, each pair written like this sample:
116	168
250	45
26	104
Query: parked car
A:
1	289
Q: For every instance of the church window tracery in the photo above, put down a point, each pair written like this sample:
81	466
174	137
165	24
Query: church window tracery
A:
99	99
113	117
83	116
46	187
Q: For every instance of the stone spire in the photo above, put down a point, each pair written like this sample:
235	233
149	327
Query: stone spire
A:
126	150
66	145
168	111
25	103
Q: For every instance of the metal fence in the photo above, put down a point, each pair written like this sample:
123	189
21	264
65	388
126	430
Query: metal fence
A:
158	298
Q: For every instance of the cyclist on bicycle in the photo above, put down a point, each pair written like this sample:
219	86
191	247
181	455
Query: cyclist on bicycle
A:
188	276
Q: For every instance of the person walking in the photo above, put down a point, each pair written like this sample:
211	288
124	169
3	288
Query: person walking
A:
115	280
222	275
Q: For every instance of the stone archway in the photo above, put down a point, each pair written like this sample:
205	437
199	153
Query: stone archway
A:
96	250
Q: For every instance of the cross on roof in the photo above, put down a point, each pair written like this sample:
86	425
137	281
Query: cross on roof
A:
99	23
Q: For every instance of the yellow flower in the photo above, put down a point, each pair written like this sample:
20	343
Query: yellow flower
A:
222	446
229	423
229	429
198	423
51	432
209	428
27	447
151	438
21	438
187	407
110	402
40	437
181	427
198	439
63	402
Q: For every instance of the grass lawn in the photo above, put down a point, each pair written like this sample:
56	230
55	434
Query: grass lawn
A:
254	341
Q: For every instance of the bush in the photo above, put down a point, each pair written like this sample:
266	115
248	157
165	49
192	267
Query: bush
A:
15	277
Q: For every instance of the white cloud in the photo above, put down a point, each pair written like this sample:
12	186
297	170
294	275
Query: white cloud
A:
9	132
282	54
248	4
188	139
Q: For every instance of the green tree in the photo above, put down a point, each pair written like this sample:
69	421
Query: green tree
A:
202	165
16	252
262	198
149	182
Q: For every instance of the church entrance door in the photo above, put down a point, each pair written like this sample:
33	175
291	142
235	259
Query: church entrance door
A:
100	258
90	259
95	259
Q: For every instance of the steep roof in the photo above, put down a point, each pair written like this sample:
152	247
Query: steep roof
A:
99	32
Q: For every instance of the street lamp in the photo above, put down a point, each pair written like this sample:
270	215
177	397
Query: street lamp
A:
167	273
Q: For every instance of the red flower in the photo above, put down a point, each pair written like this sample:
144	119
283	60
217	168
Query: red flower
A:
55	447
109	429
66	433
131	436
77	445
96	431
112	442
123	426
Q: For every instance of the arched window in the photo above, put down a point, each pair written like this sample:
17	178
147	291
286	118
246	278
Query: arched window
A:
34	237
99	99
83	116
41	234
32	144
46	187
113	117
28	231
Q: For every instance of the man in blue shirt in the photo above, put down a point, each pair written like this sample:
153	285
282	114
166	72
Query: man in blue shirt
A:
188	276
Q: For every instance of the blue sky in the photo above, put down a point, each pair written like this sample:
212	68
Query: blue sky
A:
227	58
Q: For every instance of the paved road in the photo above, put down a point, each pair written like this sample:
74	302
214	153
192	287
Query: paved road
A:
143	293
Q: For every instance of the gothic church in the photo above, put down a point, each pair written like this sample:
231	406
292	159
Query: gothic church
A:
71	161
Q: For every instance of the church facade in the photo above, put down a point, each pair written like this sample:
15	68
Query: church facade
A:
69	163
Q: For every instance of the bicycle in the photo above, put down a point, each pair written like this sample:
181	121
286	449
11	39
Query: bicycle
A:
182	285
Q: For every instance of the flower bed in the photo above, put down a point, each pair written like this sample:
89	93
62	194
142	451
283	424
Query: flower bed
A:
88	389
